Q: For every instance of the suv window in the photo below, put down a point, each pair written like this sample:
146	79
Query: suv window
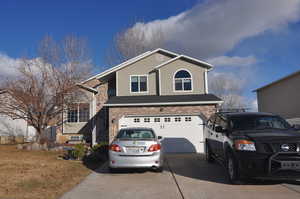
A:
135	134
258	122
220	122
210	122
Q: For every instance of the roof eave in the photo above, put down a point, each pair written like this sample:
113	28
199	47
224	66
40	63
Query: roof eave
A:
167	103
279	80
202	63
87	88
132	60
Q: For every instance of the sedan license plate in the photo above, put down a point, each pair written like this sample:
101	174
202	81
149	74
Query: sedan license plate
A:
286	165
135	149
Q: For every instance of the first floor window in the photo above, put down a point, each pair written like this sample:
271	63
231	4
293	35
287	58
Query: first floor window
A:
84	112
72	115
139	83
79	112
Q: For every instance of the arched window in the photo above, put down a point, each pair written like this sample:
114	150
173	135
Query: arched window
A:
183	81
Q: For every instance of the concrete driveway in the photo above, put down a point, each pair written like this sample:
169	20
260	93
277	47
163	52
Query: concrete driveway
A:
185	176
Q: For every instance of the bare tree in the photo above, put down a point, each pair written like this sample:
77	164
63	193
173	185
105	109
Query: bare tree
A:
230	90
132	41
43	87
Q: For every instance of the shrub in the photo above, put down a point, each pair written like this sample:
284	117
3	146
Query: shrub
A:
78	152
101	147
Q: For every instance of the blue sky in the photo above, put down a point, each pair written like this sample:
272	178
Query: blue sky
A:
24	23
269	41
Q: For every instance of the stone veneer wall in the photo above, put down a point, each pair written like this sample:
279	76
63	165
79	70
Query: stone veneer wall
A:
101	112
115	113
101	116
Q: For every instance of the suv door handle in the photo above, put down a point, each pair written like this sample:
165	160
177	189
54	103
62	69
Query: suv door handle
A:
217	135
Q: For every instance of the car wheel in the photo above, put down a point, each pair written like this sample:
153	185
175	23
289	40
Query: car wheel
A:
208	154
159	169
232	169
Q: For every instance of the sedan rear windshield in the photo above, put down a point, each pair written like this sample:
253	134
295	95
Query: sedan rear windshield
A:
135	134
258	123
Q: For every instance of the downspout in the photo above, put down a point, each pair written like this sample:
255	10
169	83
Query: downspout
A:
93	115
206	81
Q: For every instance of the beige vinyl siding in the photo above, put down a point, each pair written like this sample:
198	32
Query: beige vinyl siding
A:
167	73
142	67
74	127
281	98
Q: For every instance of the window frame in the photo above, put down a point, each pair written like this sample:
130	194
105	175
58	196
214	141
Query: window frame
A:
182	81
139	83
78	110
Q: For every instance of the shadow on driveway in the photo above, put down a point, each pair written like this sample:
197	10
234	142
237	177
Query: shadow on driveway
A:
194	166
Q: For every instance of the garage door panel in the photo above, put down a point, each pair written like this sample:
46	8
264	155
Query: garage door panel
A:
181	134
175	145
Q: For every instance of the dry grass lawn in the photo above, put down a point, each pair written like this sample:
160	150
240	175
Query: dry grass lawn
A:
37	174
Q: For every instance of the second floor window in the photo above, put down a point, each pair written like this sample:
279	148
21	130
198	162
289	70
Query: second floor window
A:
79	112
139	83
183	81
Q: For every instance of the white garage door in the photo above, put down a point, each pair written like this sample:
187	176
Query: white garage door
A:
181	133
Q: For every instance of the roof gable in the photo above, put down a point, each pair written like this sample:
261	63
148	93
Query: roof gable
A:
278	81
146	54
131	61
188	59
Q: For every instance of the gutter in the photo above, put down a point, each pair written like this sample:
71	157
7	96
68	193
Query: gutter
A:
165	103
87	88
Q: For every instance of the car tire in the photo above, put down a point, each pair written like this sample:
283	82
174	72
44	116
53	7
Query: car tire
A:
208	154
112	170
232	169
159	170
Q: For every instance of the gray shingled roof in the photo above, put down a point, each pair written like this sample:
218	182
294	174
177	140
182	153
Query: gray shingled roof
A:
152	99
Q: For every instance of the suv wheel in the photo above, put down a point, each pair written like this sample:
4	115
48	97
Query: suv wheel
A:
112	170
232	169
208	154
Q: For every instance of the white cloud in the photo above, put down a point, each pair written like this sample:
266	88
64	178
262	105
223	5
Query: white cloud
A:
215	27
232	61
211	29
254	105
8	66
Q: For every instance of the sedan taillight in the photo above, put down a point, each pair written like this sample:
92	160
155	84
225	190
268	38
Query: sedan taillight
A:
115	147
154	147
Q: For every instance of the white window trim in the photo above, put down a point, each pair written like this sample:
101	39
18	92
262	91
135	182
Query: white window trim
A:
191	78
78	111
117	82
147	91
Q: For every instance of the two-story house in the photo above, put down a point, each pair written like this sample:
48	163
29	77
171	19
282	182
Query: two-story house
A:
158	89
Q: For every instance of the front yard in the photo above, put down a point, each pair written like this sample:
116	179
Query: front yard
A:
37	174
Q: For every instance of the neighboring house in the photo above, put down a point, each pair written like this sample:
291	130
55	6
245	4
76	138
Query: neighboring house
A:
157	89
281	97
17	127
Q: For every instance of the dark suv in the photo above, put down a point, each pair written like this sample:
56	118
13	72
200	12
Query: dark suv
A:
253	145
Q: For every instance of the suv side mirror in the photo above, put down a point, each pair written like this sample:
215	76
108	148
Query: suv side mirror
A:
219	129
159	137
